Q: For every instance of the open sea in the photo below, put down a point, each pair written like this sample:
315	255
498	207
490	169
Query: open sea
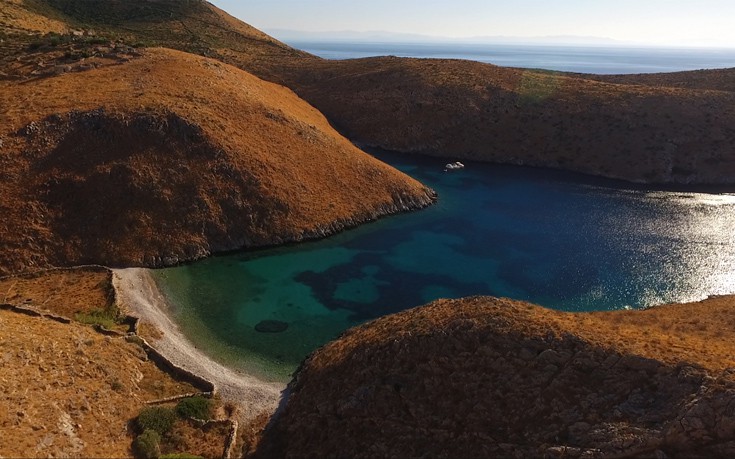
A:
561	240
582	59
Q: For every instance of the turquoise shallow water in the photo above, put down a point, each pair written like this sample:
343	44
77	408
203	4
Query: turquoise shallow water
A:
563	241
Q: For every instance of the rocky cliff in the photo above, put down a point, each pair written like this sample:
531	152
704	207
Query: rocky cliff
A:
485	377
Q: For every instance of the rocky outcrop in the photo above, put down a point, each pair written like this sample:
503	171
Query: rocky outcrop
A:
485	377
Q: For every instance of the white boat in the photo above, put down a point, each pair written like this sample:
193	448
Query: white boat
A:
454	166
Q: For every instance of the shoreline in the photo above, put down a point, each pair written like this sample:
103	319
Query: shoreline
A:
137	292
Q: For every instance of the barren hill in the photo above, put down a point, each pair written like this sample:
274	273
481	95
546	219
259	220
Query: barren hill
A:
194	26
462	109
25	16
168	157
65	389
668	128
714	79
486	377
114	151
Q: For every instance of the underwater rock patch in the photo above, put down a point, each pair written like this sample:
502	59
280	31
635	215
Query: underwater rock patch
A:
271	326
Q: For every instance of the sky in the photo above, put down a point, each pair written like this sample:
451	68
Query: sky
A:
653	22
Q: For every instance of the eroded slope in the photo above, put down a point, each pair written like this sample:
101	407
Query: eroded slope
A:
170	157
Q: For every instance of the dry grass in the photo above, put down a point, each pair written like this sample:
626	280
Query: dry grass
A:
66	390
15	15
149	332
62	292
228	161
208	441
463	109
487	377
701	333
714	79
652	128
179	156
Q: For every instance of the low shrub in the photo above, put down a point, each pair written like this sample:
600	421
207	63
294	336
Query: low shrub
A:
147	445
108	317
117	385
94	318
195	407
97	41
156	418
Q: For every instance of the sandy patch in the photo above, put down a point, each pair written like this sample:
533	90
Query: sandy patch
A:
137	292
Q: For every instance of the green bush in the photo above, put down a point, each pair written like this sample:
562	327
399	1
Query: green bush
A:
108	317
147	445
55	40
97	41
94	318
195	407
156	418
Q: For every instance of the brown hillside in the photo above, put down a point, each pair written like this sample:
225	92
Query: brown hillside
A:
194	26
64	292
714	79
16	16
669	128
485	377
66	390
462	109
170	157
57	389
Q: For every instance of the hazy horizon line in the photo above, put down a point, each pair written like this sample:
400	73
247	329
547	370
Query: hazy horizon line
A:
388	37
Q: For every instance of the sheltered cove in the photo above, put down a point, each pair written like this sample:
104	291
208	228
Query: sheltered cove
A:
68	175
137	292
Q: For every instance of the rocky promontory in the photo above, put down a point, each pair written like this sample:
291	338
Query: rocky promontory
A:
487	377
651	133
169	157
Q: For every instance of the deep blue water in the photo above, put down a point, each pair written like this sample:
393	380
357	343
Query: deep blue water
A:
584	59
560	240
